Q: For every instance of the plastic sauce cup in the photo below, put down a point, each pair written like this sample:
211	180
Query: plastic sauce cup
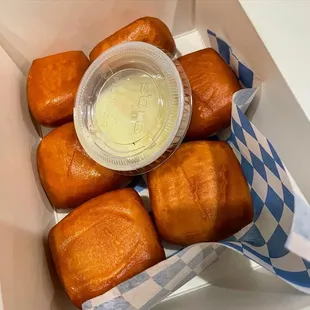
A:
133	108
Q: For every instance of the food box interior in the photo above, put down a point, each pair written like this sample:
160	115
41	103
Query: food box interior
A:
33	29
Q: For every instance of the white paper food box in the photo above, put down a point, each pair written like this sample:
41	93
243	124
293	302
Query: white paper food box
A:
32	29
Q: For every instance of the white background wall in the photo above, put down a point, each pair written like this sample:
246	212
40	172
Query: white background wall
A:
284	27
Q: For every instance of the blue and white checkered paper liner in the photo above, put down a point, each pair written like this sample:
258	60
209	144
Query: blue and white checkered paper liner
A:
263	241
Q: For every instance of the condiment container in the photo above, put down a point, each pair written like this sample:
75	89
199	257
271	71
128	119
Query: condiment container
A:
133	108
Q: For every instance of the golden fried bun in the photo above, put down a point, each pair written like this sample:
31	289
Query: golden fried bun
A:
147	29
102	243
68	175
52	85
200	194
213	84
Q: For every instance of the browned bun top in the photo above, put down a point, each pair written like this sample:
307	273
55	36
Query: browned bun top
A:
104	242
146	29
200	194
52	86
213	84
68	175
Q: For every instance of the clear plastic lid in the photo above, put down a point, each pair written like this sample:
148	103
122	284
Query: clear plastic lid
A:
132	108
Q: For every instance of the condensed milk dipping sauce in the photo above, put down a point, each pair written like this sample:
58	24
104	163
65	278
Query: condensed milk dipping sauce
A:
133	108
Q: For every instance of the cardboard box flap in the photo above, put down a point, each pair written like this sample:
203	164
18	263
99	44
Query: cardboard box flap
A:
25	211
